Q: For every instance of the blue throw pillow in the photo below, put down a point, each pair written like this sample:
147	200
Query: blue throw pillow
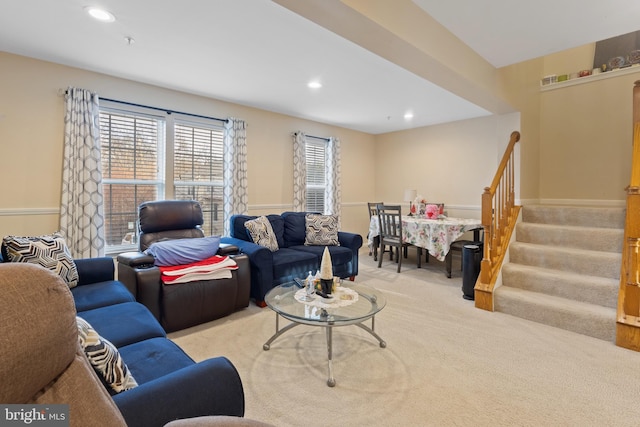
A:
183	251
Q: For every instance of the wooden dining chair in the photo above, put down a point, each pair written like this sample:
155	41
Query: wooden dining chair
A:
373	210
390	220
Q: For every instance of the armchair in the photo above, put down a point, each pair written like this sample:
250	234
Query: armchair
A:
179	306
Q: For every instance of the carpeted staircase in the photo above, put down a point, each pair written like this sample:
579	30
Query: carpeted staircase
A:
564	268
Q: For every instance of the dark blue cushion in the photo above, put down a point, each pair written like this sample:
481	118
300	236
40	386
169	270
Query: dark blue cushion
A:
101	294
339	254
124	323
295	228
277	223
238	230
289	263
92	270
154	358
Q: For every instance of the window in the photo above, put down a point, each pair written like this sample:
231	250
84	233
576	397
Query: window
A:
141	151
132	158
316	150
198	170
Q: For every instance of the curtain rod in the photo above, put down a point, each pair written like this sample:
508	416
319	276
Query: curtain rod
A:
166	110
316	137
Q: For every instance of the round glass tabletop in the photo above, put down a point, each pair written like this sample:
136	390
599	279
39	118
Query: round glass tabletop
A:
350	305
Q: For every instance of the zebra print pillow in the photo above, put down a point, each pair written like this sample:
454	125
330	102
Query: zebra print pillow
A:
105	358
321	230
49	251
261	233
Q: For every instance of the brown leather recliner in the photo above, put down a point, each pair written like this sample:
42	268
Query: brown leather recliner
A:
179	306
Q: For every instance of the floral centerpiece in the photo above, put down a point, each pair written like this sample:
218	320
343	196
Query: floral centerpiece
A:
418	206
432	211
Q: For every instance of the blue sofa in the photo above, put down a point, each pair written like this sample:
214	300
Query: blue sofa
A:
293	258
171	385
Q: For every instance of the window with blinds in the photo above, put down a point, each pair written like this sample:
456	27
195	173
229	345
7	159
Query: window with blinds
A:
137	147
198	170
316	151
132	147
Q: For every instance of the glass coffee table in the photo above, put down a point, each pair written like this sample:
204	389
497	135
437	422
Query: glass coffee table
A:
350	305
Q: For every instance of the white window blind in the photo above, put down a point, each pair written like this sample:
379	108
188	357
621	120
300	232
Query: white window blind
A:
198	170
132	147
316	151
136	149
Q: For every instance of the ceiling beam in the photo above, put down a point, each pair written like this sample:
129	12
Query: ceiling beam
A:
406	35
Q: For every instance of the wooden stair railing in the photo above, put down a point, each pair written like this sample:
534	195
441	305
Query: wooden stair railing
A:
628	313
499	214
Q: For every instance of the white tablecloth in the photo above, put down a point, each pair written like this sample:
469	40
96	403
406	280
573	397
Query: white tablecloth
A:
435	235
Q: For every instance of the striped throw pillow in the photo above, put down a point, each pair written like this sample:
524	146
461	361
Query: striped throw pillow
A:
49	251
261	233
321	230
105	358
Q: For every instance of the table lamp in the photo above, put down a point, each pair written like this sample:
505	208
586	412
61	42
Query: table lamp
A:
409	196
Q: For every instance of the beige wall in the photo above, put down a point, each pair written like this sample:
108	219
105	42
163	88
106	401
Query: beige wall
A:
31	138
450	163
586	131
586	136
576	137
520	85
575	143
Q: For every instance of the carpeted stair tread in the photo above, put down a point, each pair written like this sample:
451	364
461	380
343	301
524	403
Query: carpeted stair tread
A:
585	216
585	288
596	263
579	237
583	318
564	268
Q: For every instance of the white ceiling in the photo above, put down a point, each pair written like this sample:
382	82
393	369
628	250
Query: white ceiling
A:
261	54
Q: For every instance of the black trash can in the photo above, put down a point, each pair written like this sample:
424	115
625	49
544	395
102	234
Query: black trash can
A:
471	258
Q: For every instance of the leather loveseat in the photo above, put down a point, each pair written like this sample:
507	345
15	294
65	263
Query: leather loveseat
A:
293	258
179	306
41	361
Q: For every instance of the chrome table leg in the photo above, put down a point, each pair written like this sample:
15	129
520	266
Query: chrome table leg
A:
331	382
279	332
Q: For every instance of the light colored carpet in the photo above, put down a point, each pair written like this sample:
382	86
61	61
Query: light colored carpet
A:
446	364
564	268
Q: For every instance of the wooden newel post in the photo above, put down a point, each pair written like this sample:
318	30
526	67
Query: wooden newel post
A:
487	223
628	313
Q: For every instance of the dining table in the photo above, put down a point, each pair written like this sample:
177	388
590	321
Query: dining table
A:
433	234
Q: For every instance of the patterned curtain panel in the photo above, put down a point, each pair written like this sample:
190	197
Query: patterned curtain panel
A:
333	192
235	170
299	172
81	210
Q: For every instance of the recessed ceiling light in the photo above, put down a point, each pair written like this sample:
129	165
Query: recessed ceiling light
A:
408	116
100	14
314	84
